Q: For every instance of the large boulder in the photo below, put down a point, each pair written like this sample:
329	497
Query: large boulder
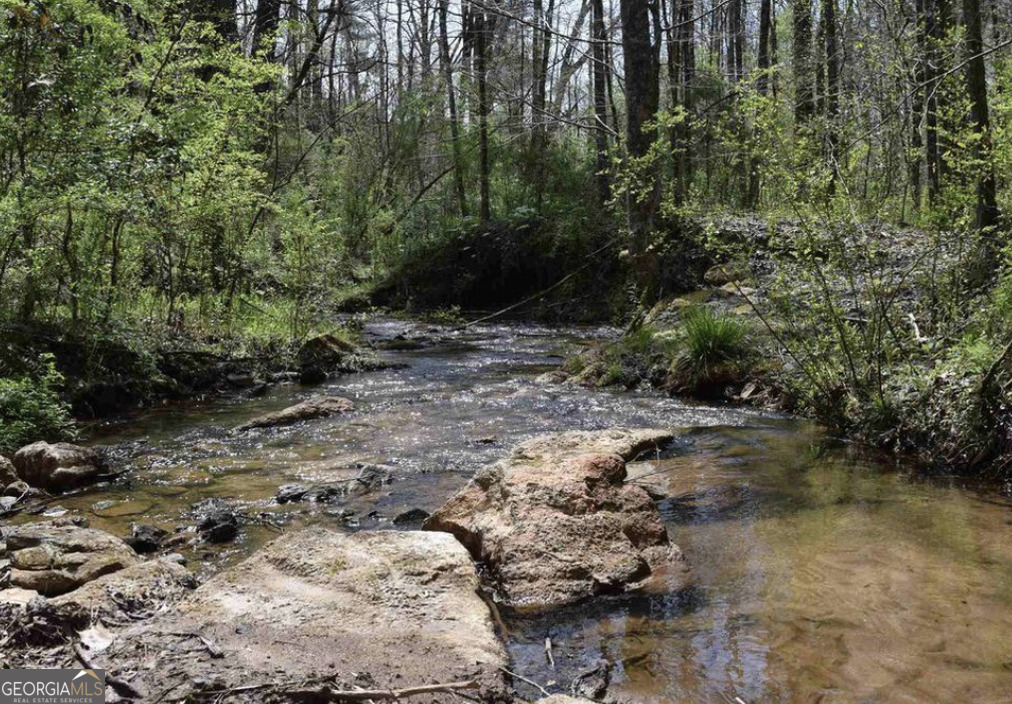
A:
319	407
59	466
55	559
372	609
556	524
722	274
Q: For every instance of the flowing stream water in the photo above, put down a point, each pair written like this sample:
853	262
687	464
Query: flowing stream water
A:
818	574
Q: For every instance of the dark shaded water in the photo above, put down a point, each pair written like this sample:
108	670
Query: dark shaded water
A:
818	576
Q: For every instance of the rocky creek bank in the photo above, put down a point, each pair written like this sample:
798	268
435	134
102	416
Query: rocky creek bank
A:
320	613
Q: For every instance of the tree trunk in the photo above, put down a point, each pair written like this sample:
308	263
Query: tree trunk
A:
832	98
687	75
642	93
265	26
804	78
976	84
481	65
599	37
762	87
451	104
935	29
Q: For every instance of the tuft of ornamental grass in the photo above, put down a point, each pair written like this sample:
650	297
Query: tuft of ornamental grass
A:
714	348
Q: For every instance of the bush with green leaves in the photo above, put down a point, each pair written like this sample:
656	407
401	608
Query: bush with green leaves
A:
31	409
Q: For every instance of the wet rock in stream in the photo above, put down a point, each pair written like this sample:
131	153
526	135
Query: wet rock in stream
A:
218	523
414	515
319	407
146	539
400	606
369	478
59	466
324	355
555	523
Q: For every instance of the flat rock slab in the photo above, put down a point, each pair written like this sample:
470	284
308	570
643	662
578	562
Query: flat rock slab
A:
626	443
555	523
400	609
320	407
54	560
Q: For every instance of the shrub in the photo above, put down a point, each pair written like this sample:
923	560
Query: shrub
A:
31	409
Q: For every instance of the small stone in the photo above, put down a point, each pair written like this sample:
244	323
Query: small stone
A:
414	515
18	488
175	557
288	493
146	539
219	526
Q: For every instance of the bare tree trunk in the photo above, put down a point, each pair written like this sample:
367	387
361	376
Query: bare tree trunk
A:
642	93
762	86
832	99
451	103
481	65
976	84
935	28
265	24
804	79
687	73
600	37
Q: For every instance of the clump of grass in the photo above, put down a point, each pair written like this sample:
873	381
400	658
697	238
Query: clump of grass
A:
714	349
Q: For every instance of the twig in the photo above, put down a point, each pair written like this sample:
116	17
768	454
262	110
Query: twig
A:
548	652
524	679
494	609
124	689
360	695
213	650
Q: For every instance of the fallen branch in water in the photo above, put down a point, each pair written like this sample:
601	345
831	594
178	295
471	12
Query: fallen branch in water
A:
524	679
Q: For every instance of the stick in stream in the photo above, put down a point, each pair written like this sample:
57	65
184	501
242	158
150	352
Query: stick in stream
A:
524	679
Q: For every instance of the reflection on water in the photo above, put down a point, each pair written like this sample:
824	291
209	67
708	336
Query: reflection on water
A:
818	576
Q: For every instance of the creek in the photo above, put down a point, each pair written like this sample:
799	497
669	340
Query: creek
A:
819	573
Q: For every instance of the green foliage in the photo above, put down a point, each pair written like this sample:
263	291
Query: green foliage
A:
714	345
31	409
